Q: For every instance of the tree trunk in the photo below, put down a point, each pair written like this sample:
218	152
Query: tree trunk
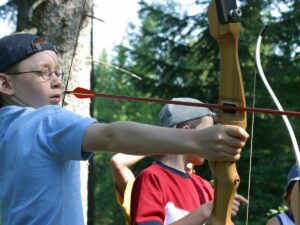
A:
59	22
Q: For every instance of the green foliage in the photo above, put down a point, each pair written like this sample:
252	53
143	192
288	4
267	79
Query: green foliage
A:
112	81
175	55
106	209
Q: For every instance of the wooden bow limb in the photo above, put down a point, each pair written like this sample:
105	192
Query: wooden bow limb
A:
231	92
295	196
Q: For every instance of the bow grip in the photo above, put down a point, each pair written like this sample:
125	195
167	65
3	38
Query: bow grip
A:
231	92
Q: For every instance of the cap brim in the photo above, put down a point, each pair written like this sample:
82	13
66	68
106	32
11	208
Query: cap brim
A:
287	186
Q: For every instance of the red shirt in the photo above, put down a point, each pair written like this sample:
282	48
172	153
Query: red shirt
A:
162	195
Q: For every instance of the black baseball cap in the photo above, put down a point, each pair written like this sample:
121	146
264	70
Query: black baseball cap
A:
16	47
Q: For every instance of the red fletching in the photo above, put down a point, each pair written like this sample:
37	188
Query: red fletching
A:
82	93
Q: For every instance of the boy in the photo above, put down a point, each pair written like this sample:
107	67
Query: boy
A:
124	178
165	193
41	143
287	217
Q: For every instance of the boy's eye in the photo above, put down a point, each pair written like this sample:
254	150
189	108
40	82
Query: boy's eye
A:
46	73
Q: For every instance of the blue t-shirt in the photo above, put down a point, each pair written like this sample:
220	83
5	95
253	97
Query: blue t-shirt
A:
40	151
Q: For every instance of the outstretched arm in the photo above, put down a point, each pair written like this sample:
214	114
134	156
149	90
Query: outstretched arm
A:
120	166
217	142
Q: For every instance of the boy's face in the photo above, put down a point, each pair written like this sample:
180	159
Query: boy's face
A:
31	89
205	122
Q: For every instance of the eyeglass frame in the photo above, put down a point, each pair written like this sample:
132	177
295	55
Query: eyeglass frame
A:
59	73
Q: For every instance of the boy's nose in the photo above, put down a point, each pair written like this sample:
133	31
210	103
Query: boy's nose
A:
56	81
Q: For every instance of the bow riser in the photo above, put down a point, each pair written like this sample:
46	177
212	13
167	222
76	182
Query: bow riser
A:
231	88
231	92
226	183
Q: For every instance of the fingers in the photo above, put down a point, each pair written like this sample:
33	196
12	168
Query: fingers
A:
238	199
234	210
228	153
235	207
232	141
223	142
237	131
236	136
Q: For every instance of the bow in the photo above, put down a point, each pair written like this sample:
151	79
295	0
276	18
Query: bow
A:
295	195
224	25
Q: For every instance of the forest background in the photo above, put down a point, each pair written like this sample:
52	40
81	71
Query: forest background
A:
174	54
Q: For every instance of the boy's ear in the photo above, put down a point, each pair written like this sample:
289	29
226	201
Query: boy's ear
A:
5	85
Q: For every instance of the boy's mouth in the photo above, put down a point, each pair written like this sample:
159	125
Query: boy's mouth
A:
55	99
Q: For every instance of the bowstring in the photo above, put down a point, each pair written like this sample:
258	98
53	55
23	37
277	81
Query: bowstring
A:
74	52
251	149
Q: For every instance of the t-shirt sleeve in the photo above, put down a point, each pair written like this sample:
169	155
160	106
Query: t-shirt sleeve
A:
204	187
147	206
208	189
63	132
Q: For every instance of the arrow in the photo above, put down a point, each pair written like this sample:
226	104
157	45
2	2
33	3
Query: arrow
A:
83	93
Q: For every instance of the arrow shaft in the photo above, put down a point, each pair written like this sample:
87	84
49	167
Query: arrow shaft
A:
208	105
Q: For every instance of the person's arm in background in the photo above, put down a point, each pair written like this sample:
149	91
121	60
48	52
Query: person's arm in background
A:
123	180
201	214
120	166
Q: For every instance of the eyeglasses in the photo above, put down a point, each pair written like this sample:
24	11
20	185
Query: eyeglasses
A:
45	73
